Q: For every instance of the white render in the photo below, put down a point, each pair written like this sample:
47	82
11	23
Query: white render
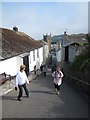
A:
12	65
59	56
37	61
45	53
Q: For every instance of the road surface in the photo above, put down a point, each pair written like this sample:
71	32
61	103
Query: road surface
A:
44	103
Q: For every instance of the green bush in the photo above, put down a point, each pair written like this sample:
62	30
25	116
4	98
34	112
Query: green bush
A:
83	59
85	63
80	62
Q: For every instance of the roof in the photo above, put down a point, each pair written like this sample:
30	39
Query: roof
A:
70	43
79	39
57	38
16	43
89	34
42	42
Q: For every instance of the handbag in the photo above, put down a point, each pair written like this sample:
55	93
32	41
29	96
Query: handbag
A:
15	88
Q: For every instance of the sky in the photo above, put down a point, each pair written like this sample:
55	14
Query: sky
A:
38	18
88	17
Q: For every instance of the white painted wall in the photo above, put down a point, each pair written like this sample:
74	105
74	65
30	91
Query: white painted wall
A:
31	61
41	55
59	56
19	62
10	66
45	53
37	61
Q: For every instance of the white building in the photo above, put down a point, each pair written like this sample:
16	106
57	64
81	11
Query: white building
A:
45	51
19	48
59	55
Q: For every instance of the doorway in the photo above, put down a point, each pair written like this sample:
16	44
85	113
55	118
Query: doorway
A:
26	63
66	53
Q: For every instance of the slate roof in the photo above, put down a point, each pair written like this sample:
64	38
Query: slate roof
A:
42	42
89	34
79	39
16	43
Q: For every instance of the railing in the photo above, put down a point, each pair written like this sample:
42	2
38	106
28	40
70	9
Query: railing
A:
77	83
79	80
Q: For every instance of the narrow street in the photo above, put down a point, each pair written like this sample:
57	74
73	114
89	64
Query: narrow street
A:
44	103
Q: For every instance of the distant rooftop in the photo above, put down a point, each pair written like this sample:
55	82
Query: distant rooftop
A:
75	38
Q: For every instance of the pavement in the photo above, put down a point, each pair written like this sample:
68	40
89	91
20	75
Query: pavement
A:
10	85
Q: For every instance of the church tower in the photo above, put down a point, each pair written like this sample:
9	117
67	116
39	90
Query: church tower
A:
47	38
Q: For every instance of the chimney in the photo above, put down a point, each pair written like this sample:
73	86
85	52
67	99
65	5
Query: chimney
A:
65	33
65	37
15	28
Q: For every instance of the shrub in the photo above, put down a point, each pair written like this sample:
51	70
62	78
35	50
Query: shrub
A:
80	62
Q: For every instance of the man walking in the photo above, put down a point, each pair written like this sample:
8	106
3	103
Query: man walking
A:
21	82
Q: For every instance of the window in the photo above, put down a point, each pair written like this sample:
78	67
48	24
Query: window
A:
34	55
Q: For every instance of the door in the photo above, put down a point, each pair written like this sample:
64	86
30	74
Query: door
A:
26	63
66	53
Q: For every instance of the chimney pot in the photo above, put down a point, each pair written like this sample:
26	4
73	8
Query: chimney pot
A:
65	33
15	28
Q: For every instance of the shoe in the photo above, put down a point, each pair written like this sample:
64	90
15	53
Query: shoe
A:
18	99
58	93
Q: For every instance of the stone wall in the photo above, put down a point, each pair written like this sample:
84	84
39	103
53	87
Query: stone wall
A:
79	80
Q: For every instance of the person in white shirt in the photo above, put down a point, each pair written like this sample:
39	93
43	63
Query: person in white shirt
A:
57	79
21	82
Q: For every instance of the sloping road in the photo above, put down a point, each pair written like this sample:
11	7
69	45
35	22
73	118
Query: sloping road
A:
44	103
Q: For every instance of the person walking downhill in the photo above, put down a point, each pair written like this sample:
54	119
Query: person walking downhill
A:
57	79
21	82
41	68
35	69
44	70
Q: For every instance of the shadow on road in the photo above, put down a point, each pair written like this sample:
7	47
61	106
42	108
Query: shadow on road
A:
9	98
49	92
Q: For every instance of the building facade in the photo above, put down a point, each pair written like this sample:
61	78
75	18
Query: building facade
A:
19	48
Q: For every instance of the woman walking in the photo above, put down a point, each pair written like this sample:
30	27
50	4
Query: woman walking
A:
57	79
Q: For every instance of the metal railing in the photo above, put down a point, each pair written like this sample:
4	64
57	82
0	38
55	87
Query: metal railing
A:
79	80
